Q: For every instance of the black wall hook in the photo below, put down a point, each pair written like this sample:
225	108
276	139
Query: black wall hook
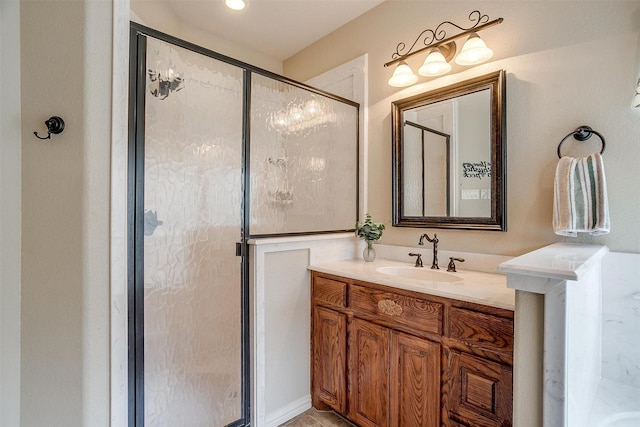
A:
54	125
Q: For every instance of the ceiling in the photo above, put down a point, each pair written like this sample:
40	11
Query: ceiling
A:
278	28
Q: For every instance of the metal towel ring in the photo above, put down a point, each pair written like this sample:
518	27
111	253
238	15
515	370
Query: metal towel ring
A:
582	134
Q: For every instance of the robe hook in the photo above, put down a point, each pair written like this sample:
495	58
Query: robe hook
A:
54	125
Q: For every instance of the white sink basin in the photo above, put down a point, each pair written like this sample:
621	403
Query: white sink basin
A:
417	273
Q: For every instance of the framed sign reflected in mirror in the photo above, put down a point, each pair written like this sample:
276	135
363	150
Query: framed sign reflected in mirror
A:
449	156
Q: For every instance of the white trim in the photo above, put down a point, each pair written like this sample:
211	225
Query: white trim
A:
305	238
118	234
11	215
289	411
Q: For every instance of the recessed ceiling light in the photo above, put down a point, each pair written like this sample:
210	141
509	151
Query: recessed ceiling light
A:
235	4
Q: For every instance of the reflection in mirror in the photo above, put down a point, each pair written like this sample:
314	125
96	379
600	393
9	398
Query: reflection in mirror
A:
433	170
448	156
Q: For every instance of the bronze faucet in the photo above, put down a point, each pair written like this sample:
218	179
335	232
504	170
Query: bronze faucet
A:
452	264
418	260
434	263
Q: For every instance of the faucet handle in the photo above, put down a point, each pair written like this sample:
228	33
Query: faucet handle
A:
418	259
452	265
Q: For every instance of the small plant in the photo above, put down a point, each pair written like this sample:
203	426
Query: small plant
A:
369	230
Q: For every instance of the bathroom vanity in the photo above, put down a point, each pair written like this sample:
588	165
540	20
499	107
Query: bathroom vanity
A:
396	346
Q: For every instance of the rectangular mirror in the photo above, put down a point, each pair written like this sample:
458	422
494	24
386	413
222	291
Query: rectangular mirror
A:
449	156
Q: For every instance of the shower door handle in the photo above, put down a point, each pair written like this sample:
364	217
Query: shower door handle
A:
240	249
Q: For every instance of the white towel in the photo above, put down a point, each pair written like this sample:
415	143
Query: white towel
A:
580	197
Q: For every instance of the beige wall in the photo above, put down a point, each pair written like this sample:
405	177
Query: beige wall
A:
159	16
554	84
65	71
567	63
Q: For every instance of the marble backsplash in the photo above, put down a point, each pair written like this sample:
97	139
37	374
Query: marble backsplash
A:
621	318
473	261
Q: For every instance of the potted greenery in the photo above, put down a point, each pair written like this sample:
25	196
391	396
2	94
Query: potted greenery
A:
370	232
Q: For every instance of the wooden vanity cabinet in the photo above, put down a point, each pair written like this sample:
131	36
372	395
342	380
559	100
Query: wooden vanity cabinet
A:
415	381
329	359
368	375
387	357
478	377
394	378
329	345
477	391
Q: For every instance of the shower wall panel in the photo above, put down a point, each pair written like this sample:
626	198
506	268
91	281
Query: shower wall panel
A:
303	160
193	214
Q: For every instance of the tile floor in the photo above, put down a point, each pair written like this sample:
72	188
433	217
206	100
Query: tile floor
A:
315	418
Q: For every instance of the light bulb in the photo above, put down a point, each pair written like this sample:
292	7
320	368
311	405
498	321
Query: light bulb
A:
402	76
474	51
434	64
636	98
235	4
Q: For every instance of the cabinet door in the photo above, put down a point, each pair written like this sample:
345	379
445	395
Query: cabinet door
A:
368	374
415	382
477	391
329	359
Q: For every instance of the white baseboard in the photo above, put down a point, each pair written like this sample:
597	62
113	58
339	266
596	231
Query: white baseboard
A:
287	412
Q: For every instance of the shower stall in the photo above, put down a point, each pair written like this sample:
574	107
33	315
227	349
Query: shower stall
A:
220	151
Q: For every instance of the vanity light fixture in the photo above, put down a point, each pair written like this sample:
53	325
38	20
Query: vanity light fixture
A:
435	64
441	49
235	4
402	76
474	51
636	97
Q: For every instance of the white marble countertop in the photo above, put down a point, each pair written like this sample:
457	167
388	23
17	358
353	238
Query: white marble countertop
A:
480	288
563	261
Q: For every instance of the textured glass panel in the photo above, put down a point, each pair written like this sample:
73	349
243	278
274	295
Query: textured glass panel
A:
303	160
413	189
435	174
193	201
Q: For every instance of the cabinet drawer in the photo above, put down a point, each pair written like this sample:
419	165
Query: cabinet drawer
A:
329	291
479	328
477	391
413	312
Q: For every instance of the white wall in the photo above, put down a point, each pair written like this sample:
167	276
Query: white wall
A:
10	184
287	326
474	146
65	71
567	63
280	320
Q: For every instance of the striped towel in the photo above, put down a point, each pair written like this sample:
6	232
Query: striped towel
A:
580	197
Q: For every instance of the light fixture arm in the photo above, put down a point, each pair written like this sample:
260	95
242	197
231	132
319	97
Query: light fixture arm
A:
438	37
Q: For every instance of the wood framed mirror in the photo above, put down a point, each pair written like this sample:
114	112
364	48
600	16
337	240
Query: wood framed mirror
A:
449	156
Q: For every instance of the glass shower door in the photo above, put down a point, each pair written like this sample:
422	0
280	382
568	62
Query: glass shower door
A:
192	218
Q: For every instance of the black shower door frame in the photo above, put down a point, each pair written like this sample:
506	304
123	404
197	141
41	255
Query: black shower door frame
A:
135	212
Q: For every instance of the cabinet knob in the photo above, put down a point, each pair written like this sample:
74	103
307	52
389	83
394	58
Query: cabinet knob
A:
390	307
